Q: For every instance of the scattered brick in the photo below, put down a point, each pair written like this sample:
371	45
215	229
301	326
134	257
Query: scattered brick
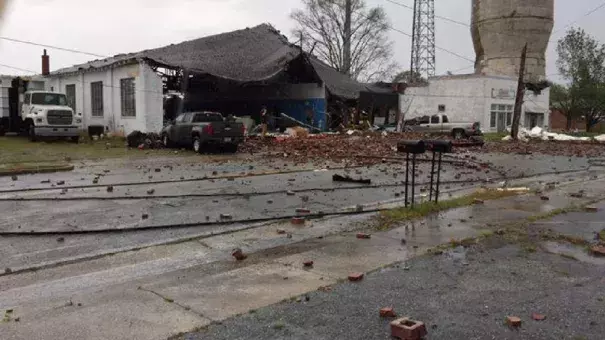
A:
598	250
239	254
387	312
407	329
354	277
363	236
297	220
538	317
513	321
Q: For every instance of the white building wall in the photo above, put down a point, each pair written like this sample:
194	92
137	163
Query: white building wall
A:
470	98
148	97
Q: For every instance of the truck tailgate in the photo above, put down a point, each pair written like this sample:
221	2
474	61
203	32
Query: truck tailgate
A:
227	129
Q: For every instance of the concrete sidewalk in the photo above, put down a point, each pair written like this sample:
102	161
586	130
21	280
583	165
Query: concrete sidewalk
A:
157	292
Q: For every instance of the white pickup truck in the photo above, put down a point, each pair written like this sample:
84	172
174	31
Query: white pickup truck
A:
46	114
442	124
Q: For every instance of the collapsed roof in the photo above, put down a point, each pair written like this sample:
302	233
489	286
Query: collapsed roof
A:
252	54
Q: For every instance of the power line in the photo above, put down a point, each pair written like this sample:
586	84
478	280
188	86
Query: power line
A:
602	5
52	47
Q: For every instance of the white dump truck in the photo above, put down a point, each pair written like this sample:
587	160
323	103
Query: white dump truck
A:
46	114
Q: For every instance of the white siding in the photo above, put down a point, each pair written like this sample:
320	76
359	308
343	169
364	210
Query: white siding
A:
469	98
148	97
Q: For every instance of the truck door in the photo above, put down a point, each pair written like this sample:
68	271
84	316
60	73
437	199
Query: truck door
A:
184	129
435	125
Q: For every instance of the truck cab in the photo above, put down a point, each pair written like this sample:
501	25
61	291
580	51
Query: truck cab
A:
46	114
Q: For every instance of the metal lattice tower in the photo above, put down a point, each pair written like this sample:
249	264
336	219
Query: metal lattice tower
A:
423	39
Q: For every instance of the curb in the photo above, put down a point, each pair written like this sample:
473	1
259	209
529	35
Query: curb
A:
35	170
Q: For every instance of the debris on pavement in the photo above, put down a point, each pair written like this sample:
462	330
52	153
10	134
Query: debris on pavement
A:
387	312
407	329
238	254
347	179
308	263
297	220
354	277
598	250
513	321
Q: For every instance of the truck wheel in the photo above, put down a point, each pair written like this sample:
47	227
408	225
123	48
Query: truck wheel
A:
74	139
32	133
458	134
197	144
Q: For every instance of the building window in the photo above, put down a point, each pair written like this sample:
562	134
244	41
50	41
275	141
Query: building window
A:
127	97
70	93
502	113
96	98
441	108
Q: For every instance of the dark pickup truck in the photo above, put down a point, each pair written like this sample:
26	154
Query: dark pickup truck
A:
200	129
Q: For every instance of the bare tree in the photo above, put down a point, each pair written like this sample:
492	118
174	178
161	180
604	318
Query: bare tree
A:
324	26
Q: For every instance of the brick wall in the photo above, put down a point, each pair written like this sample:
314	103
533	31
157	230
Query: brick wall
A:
558	122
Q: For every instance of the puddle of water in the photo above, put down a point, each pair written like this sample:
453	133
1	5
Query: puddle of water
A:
578	253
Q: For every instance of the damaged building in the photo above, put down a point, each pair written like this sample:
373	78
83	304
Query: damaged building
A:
237	73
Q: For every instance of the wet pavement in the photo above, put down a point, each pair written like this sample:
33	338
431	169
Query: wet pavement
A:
178	278
456	299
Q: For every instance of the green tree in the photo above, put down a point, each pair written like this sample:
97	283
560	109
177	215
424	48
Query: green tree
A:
581	62
348	36
408	77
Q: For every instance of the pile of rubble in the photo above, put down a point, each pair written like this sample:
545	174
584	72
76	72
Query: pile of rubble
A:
358	148
142	141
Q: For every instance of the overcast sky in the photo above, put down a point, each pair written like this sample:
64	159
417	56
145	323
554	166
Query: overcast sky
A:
110	27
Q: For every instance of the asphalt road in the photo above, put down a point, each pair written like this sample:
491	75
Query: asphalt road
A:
458	295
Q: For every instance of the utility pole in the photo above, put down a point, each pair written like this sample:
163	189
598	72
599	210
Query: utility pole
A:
346	65
514	131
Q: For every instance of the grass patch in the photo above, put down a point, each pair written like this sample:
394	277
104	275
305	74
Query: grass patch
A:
279	325
494	136
19	150
389	218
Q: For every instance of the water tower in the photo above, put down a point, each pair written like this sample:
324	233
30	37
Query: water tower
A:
500	29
